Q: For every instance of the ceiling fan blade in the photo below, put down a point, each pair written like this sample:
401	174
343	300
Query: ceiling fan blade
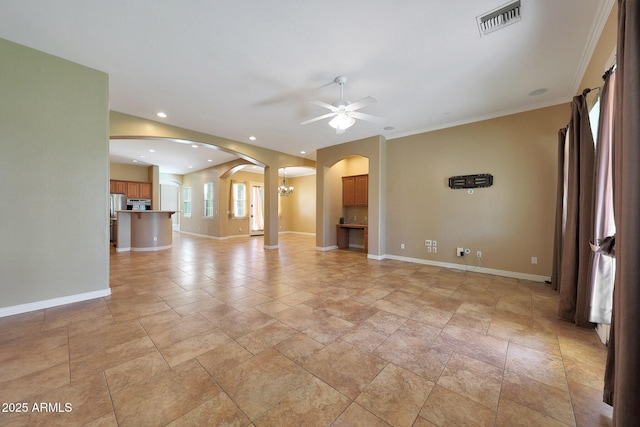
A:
315	119
323	105
367	117
361	103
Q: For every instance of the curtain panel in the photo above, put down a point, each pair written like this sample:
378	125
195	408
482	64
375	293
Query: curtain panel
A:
603	263
559	223
622	376
572	268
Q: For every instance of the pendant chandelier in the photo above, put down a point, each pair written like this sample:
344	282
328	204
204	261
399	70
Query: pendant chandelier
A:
284	189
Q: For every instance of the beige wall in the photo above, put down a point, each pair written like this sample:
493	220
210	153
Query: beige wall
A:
54	171
509	222
298	211
122	172
197	223
171	177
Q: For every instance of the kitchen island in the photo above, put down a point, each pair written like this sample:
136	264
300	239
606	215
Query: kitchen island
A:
144	230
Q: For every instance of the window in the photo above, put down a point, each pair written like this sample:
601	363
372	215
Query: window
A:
239	197
208	199
186	201
594	118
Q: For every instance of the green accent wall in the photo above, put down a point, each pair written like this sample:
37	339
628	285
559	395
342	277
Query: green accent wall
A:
54	178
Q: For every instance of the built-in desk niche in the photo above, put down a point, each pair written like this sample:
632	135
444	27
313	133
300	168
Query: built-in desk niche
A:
353	229
343	233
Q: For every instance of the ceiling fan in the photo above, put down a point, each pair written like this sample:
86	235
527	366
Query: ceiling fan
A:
344	112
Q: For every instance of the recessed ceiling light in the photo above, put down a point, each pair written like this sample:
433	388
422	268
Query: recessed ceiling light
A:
252	138
161	114
142	156
135	161
389	128
190	167
209	160
195	145
152	151
303	152
538	92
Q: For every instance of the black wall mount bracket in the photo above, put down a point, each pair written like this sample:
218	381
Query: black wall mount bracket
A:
471	181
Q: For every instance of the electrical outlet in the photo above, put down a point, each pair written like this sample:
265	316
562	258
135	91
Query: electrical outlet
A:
534	260
479	254
427	242
435	249
428	248
435	243
459	251
467	251
401	245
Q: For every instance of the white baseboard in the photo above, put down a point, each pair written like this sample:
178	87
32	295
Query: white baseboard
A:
326	248
475	269
302	233
206	236
54	302
156	248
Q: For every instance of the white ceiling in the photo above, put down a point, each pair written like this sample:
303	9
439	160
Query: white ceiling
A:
237	69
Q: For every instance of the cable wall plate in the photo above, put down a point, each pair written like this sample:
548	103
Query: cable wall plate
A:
471	181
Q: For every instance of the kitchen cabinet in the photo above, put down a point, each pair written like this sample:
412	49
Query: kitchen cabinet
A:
133	190
117	186
355	190
145	190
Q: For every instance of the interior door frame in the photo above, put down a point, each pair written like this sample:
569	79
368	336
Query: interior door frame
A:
253	232
175	220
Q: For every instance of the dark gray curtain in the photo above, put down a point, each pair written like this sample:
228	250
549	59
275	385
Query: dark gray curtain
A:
573	264
622	378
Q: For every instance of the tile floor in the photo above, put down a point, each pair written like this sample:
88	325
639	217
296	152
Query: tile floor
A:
226	333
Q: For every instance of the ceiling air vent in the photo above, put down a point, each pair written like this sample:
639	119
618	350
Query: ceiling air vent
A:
499	18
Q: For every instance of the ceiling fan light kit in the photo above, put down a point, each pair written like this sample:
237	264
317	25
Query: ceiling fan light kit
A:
341	122
343	112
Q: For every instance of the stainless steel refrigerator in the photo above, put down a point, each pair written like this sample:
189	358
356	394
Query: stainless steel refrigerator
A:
117	202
